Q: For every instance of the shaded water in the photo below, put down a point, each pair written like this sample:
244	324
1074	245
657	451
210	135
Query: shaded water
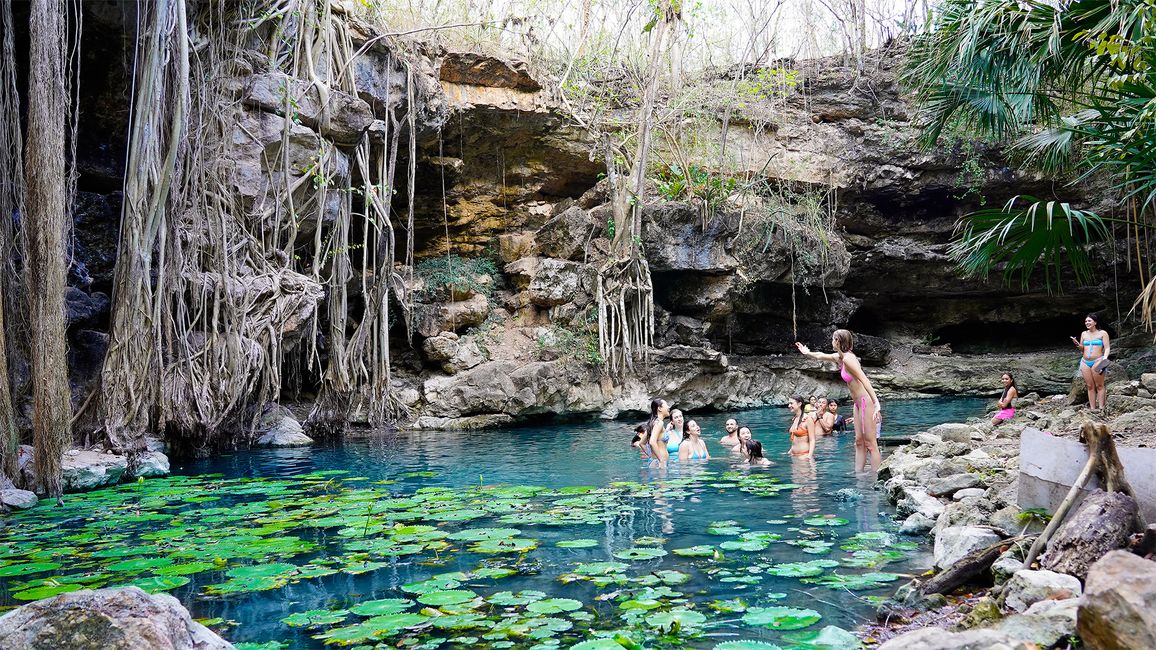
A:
317	522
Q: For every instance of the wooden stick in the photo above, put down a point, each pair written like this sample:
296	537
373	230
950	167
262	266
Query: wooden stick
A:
1058	517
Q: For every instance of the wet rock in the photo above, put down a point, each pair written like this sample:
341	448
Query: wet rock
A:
925	438
278	428
567	234
946	487
151	463
432	319
931	638
125	619
1118	611
18	499
1148	381
83	470
917	524
954	542
1028	587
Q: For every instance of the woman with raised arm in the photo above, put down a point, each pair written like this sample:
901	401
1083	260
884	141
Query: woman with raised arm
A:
1095	345
656	427
867	410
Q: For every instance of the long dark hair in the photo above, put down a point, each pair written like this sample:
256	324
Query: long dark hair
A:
797	419
655	404
1008	388
682	430
754	449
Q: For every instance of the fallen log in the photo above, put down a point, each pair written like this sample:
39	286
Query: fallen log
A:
967	568
1102	523
1144	544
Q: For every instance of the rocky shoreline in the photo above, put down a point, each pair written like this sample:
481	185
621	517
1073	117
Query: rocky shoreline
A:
956	484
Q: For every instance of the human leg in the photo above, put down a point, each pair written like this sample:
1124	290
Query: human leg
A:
863	431
1101	394
871	440
1086	373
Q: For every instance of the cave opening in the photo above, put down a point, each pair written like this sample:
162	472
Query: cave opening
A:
976	336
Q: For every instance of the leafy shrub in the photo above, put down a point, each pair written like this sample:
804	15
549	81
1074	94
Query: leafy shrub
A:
458	274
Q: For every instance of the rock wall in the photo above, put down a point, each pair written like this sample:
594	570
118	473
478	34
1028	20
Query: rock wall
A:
504	175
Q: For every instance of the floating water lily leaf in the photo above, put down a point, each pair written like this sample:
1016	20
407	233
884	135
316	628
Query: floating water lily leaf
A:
731	606
645	553
801	569
154	584
261	570
46	591
359	567
702	550
680	618
381	607
447	597
508	599
139	564
650	541
780	618
243	585
436	583
184	569
750	545
599	568
671	577
27	568
640	603
493	572
577	543
746	645
514	545
854	582
458	621
728	527
829	520
828	638
316	618
598	644
554	606
481	534
372	629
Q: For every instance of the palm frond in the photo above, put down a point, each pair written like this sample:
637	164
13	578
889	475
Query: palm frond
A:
1025	234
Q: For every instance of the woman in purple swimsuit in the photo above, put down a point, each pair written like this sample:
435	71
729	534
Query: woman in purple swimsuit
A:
867	411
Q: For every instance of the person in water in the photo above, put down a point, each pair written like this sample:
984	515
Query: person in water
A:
655	428
1095	346
838	422
752	451
867	411
731	439
675	431
801	429
639	441
1007	409
823	417
693	447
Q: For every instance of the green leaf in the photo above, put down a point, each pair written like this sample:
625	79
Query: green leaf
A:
780	618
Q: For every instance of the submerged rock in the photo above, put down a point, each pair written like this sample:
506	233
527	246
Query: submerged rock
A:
122	619
84	470
18	499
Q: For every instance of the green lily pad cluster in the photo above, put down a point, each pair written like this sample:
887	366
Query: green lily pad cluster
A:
217	540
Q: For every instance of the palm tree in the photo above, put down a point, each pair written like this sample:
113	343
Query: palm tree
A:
1072	87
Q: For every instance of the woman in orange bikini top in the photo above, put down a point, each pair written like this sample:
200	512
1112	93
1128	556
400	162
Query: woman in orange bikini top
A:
802	439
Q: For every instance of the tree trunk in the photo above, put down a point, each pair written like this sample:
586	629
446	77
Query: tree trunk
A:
967	568
45	223
11	174
1103	523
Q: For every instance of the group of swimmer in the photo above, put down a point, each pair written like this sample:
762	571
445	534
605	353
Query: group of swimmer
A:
658	440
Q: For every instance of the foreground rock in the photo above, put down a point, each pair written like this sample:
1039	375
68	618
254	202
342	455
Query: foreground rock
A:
87	470
106	619
1026	588
1119	605
18	499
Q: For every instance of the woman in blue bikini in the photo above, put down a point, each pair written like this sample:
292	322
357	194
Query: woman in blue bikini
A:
1095	346
868	414
693	447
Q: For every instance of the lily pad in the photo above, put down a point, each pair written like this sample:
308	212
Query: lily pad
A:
372	629
825	521
781	618
381	607
554	606
702	550
482	534
828	638
154	584
27	568
644	553
750	545
675	619
514	545
599	568
447	597
598	644
316	618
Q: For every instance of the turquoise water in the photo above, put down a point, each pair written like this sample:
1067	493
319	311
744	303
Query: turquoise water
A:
313	529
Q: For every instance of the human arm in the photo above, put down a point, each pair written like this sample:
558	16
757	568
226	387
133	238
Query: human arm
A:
1107	345
657	446
827	422
817	356
683	452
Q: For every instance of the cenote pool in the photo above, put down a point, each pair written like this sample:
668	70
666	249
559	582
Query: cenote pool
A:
545	536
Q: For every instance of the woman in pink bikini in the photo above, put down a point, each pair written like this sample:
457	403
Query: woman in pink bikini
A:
1007	408
866	410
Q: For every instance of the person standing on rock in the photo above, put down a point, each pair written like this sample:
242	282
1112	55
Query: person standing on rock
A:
1007	409
867	411
655	428
1095	345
